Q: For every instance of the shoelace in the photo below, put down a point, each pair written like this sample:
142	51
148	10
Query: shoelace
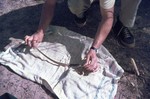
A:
126	33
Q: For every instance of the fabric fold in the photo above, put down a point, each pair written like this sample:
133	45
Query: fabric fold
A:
66	82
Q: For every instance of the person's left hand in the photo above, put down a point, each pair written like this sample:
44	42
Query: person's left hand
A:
91	61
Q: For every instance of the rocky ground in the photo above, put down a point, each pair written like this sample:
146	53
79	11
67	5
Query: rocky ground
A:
20	17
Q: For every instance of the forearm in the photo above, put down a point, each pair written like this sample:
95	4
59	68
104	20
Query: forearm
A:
104	26
46	15
102	31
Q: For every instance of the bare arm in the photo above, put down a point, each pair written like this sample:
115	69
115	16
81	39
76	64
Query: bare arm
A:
102	32
47	14
46	17
104	27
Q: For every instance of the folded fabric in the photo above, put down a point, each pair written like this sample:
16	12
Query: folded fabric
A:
57	64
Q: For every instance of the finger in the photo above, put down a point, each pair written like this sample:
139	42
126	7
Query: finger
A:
90	63
93	66
96	67
26	39
88	68
87	61
91	70
35	43
29	41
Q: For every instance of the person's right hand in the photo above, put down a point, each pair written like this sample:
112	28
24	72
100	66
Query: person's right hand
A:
91	61
34	39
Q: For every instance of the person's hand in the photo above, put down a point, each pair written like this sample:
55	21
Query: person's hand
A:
34	39
91	61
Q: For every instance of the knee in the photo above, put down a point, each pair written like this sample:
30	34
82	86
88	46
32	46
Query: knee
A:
137	2
78	6
73	6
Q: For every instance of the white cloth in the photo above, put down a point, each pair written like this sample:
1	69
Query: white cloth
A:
65	47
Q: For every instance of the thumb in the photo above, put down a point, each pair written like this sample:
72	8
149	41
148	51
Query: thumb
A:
87	60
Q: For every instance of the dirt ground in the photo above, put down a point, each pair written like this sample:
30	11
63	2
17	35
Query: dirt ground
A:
21	17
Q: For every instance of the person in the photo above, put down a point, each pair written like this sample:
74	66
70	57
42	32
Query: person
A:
78	8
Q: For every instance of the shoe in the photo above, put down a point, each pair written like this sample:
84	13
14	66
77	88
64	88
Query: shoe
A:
80	21
123	35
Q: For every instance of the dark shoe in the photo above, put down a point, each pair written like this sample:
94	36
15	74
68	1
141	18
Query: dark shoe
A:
80	21
7	96
123	35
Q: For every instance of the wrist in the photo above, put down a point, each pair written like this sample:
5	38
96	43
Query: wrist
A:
40	31
94	49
